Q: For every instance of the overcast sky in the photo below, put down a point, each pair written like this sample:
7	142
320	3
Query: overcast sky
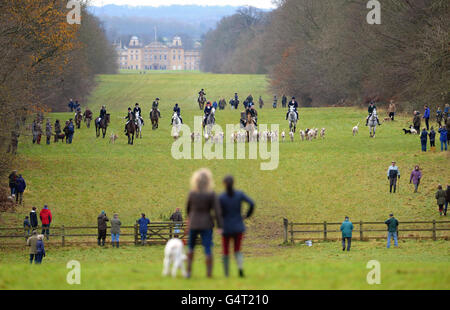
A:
266	4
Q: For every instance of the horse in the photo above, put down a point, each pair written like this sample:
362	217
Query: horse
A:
250	125
372	123
102	124
176	124
210	122
154	117
131	129
201	102
292	117
139	125
78	119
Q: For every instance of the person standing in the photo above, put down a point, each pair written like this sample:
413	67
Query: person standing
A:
443	138
233	223
12	182
177	218
34	131
143	228
284	101
33	218
275	102
447	199
393	174
439	116
20	188
48	131
32	243
101	225
347	229
416	121
26	227
57	130
115	230
416	176
202	203
71	131
38	132
440	199
392	109
424	139
392	225
40	249
432	135
46	220
426	116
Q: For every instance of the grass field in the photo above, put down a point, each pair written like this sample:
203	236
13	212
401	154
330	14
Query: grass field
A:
315	181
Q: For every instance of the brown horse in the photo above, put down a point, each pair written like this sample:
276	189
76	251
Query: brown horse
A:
154	117
103	125
201	102
131	129
78	119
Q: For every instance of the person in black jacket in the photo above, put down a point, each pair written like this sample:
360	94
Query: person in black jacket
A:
33	218
137	109
284	101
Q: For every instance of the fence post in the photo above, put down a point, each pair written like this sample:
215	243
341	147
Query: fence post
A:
361	238
136	234
63	239
285	225
434	230
292	233
325	231
170	231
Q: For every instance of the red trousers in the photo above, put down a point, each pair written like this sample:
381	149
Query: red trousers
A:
237	243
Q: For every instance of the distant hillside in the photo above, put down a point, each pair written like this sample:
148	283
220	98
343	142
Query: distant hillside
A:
191	20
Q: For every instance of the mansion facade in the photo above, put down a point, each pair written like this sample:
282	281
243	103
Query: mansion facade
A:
157	56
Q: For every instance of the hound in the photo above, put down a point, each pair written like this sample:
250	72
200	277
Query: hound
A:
291	134
302	135
355	130
322	133
174	255
283	136
113	138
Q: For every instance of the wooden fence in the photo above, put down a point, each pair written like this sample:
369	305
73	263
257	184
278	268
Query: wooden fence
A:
364	230
158	233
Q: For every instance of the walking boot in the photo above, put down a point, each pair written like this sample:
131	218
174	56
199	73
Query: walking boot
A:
98	241
240	262
103	242
226	265
190	258
117	244
209	266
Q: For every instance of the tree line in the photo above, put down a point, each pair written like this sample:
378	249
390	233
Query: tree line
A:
326	53
44	62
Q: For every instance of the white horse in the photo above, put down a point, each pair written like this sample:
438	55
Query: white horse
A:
210	122
139	125
176	124
373	122
292	117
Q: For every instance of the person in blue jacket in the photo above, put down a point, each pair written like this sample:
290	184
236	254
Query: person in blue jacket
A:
443	138
424	139
143	227
233	223
40	250
347	229
21	185
432	135
426	116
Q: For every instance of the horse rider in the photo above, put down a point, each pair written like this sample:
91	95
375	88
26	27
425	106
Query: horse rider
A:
87	114
102	114
202	93
129	118
137	109
253	113
155	106
176	109
207	111
293	103
370	110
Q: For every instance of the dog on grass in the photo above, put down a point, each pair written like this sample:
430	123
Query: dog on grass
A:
291	134
113	138
174	256
356	130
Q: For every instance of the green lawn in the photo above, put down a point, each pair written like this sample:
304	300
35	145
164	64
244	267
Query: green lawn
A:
315	181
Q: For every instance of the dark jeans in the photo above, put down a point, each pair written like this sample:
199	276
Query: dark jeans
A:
207	239
13	189
102	234
46	230
32	257
19	196
349	243
427	123
424	146
38	258
48	139
392	184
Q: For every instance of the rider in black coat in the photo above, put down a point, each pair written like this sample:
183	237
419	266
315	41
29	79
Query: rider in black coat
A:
137	108
177	109
292	103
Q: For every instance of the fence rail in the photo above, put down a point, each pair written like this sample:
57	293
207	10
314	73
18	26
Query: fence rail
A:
364	231
157	233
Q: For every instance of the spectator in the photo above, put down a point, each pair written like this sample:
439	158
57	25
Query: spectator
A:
440	198
71	131
446	110
33	218
48	131
46	220
233	223
439	116
447	199
426	116
201	203
443	138
177	218
20	188
32	243
347	229
416	121
392	110
38	132
101	222
143	227
26	227
392	175
34	131
12	182
416	176
432	135
392	225
424	139
57	130
40	250
115	230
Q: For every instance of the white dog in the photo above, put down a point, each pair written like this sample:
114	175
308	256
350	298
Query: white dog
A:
322	133
283	136
174	255
302	135
355	130
291	134
413	131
